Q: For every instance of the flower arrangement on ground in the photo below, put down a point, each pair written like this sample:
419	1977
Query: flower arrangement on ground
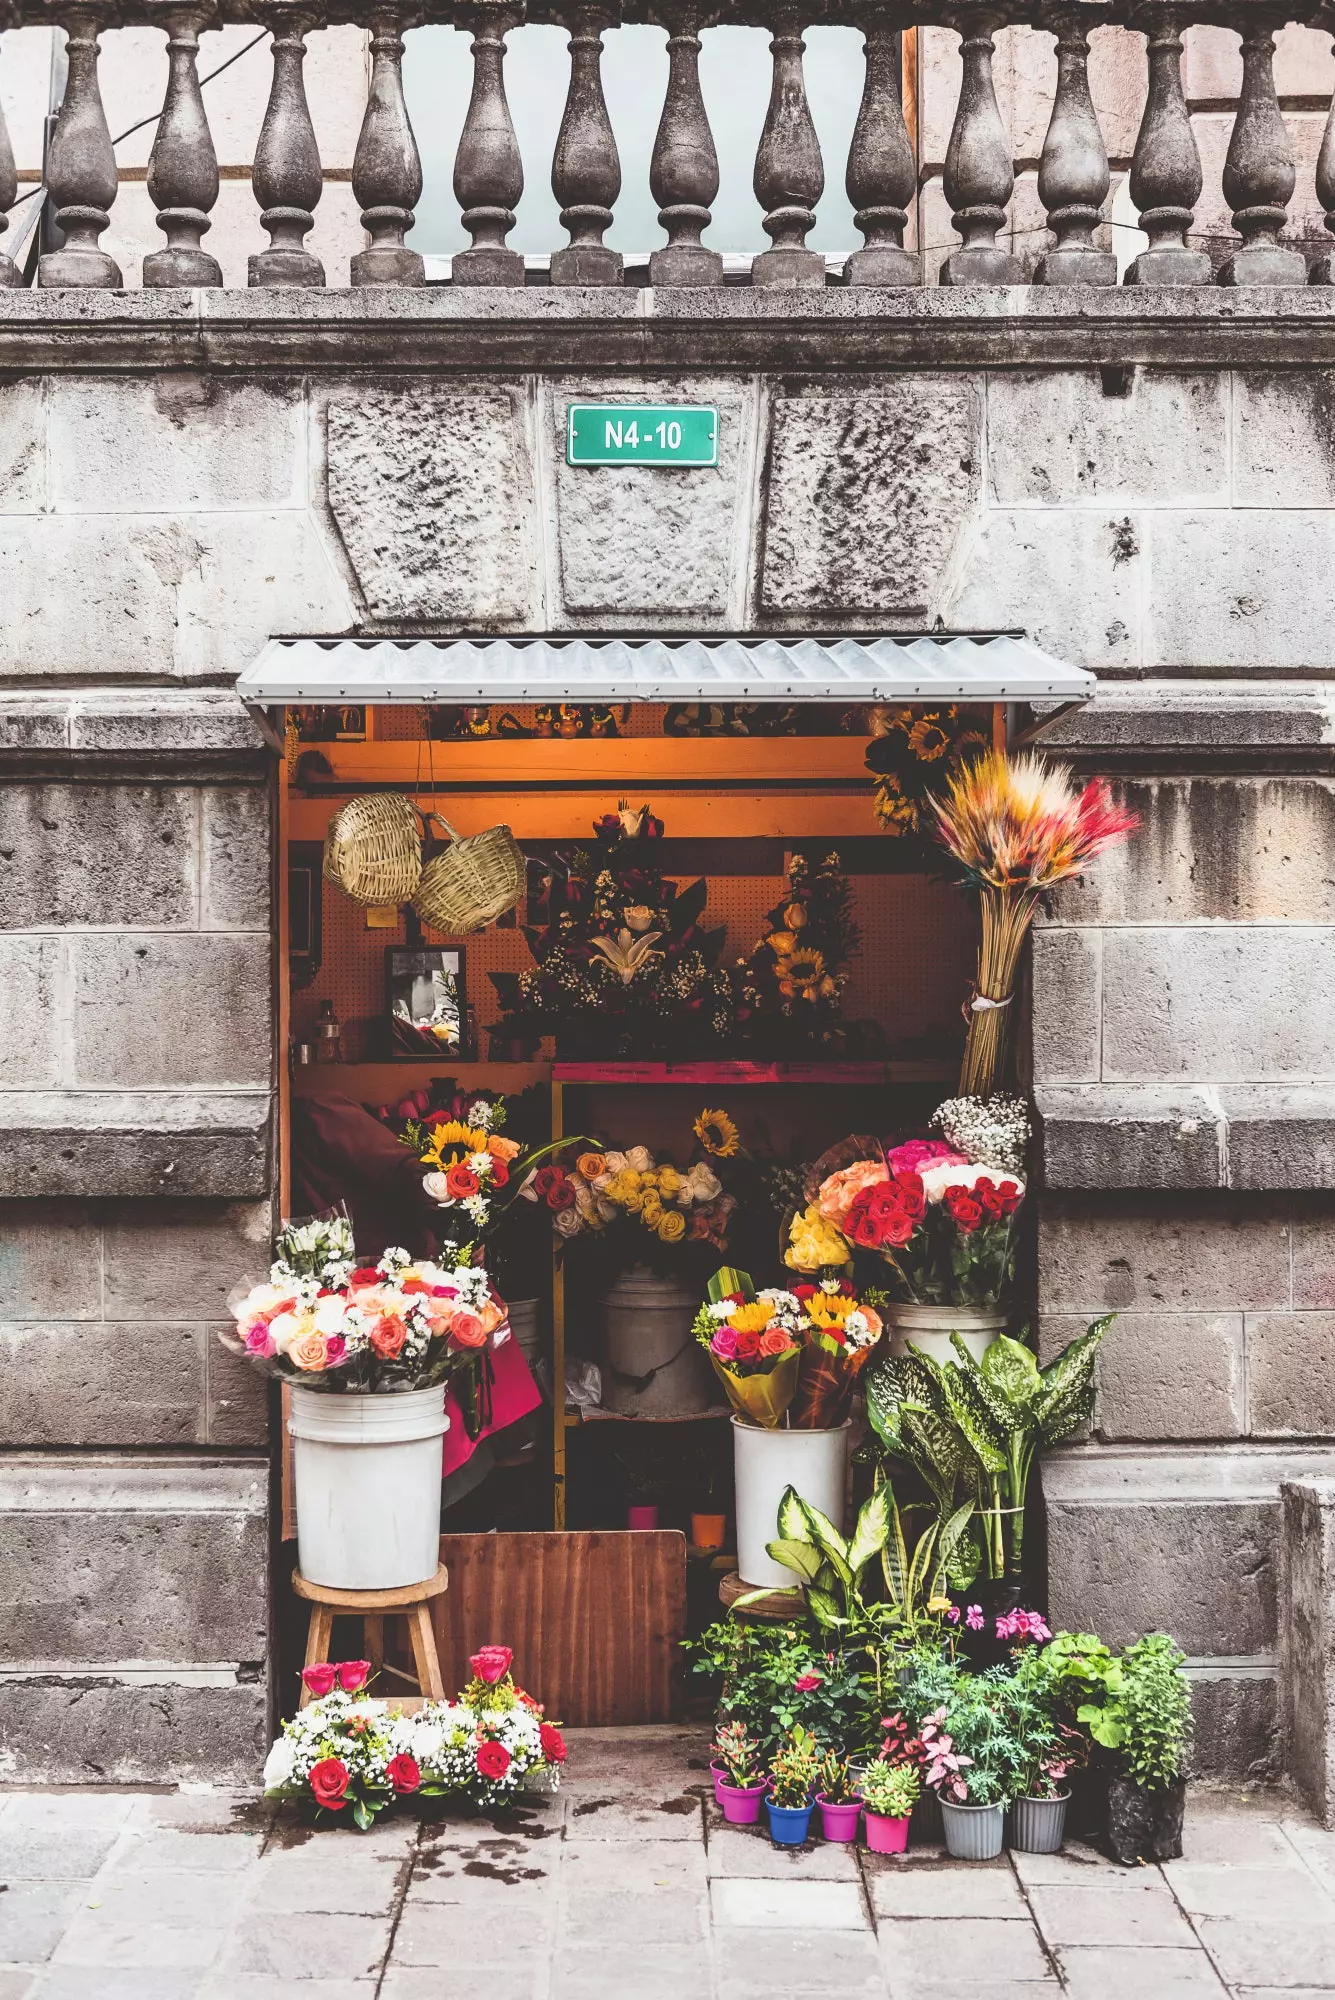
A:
839	1338
754	1340
328	1323
1015	827
790	989
671	1206
912	752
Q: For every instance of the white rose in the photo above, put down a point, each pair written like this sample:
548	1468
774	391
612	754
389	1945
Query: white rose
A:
705	1184
435	1187
329	1313
639	1159
567	1222
284	1328
615	1163
278	1765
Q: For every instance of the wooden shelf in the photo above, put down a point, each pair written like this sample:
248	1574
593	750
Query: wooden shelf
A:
693	762
712	812
730	1075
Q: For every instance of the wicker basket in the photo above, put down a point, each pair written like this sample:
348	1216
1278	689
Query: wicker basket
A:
373	849
476	880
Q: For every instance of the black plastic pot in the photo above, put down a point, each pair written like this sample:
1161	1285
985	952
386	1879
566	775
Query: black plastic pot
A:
1144	1826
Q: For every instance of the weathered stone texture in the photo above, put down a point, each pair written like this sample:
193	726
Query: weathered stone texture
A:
1291	1373
432	492
1307	1641
1067	1005
22	445
30	1032
1231	591
1070	578
72	855
670	542
1237	1725
235	859
151	444
1201	1255
1129	1138
865	494
1163	1375
154	1010
170	1260
87	1731
102	1384
1059	439
1314	1260
237	1396
1218	1005
50	1261
1284	438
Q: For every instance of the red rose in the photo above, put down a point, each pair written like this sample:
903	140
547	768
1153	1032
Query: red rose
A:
329	1782
546	1179
806	1682
387	1337
353	1674
403	1772
493	1759
966	1211
562	1196
319	1679
748	1345
500	1173
461	1181
804	1292
491	1663
912	1199
553	1744
1009	1195
988	1200
367	1275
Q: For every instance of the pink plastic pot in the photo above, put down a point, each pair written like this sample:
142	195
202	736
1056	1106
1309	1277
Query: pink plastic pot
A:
741	1803
642	1517
719	1773
840	1822
887	1836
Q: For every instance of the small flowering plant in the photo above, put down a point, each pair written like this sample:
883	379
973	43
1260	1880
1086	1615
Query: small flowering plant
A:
342	1753
754	1340
794	1769
739	1753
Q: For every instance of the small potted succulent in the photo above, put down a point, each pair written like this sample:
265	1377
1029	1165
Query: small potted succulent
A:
739	1775
838	1797
889	1794
792	1777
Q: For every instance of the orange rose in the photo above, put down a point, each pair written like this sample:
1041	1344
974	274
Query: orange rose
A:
491	1315
775	1341
308	1352
387	1337
874	1323
591	1165
502	1149
467	1330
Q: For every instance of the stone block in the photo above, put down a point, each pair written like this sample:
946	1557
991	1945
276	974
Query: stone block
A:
1233	591
1162	1376
1060	440
104	1385
1201	1255
180	1259
1191	718
1102	1137
23	469
154	1010
237	1395
1284	438
87	1142
1237	1727
72	855
168	719
57	1730
175	441
1117	73
866	492
1313	1235
672	542
1307	1641
29	723
1066	1016
192	595
1291	1373
31	979
106	1561
50	1261
1237	1003
1280	1136
431	489
1070	578
235	859
1249	850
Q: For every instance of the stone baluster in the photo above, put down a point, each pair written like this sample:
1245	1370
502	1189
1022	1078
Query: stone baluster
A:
488	172
789	175
1166	166
9	188
683	173
1323	270
386	167
586	170
286	175
882	174
183	167
1073	177
1259	176
979	177
81	169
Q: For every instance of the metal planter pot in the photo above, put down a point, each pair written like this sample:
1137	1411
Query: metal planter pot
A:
973	1833
1038	1826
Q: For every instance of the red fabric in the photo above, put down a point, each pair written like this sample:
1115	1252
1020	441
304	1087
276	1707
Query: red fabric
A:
513	1394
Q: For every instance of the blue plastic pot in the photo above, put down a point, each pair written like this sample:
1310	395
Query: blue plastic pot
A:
788	1824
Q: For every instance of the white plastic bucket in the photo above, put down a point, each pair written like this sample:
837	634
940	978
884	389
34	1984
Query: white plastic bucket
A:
367	1472
930	1328
815	1462
653	1366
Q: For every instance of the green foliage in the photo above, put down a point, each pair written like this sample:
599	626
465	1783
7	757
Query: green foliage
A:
830	1567
759	1667
892	1790
739	1753
834	1780
986	1725
1146	1720
793	1768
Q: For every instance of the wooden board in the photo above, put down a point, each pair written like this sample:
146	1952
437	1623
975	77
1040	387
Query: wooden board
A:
595	1620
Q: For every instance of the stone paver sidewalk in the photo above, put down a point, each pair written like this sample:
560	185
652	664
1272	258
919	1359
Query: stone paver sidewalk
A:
629	1887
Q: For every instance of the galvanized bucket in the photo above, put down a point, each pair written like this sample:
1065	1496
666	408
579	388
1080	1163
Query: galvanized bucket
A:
973	1833
1038	1826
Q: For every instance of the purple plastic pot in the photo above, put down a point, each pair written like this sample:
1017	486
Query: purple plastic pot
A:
741	1803
840	1822
887	1836
719	1773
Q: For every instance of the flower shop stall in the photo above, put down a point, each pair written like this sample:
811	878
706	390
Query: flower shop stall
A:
627	991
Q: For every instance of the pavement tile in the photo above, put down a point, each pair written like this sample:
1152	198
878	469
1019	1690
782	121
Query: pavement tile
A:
95	1938
167	1896
1237	1837
305	1946
762	1901
29	1856
151	1848
1106	1972
76	1982
17	1985
1068	1914
498	1858
33	1916
427	1982
1313	1847
1075	1863
1213	1889
226	1986
1251	1953
202	1812
632	1865
985	1890
356	1884
658	1917
737	1850
961	1954
603	1816
48	1811
629	1972
447	1935
761	1964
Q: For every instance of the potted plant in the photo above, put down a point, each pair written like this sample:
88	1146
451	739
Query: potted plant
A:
792	1777
1050	1750
838	1797
889	1794
973	1760
739	1783
1140	1713
772	1677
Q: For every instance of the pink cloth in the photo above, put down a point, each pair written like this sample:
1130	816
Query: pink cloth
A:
514	1393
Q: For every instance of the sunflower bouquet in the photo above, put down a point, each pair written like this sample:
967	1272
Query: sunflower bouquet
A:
474	1169
841	1333
754	1341
790	990
912	752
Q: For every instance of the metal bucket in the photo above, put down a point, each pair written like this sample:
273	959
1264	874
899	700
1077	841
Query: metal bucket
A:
930	1327
367	1471
653	1365
973	1833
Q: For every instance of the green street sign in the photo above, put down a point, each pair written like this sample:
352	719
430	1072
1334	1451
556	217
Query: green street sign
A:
641	434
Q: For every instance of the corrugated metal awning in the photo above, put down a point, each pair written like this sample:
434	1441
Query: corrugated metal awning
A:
934	668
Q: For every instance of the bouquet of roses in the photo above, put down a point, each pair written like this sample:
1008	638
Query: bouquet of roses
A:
343	1752
838	1339
754	1340
674	1205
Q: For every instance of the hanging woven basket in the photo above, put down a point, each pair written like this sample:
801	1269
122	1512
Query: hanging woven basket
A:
373	849
477	879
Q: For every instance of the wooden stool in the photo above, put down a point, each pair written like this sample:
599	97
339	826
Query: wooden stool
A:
411	1600
774	1608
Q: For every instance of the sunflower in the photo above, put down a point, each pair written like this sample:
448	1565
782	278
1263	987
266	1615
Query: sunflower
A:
452	1142
829	1308
717	1134
752	1318
928	740
802	974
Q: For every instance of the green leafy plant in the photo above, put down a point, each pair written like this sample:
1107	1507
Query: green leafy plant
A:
1146	1722
793	1768
891	1790
834	1780
812	1547
975	1754
739	1753
1050	1747
772	1676
917	1582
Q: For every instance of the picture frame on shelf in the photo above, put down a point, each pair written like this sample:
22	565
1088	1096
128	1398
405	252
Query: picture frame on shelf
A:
426	1000
305	909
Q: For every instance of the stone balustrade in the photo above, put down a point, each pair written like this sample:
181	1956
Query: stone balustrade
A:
882	172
